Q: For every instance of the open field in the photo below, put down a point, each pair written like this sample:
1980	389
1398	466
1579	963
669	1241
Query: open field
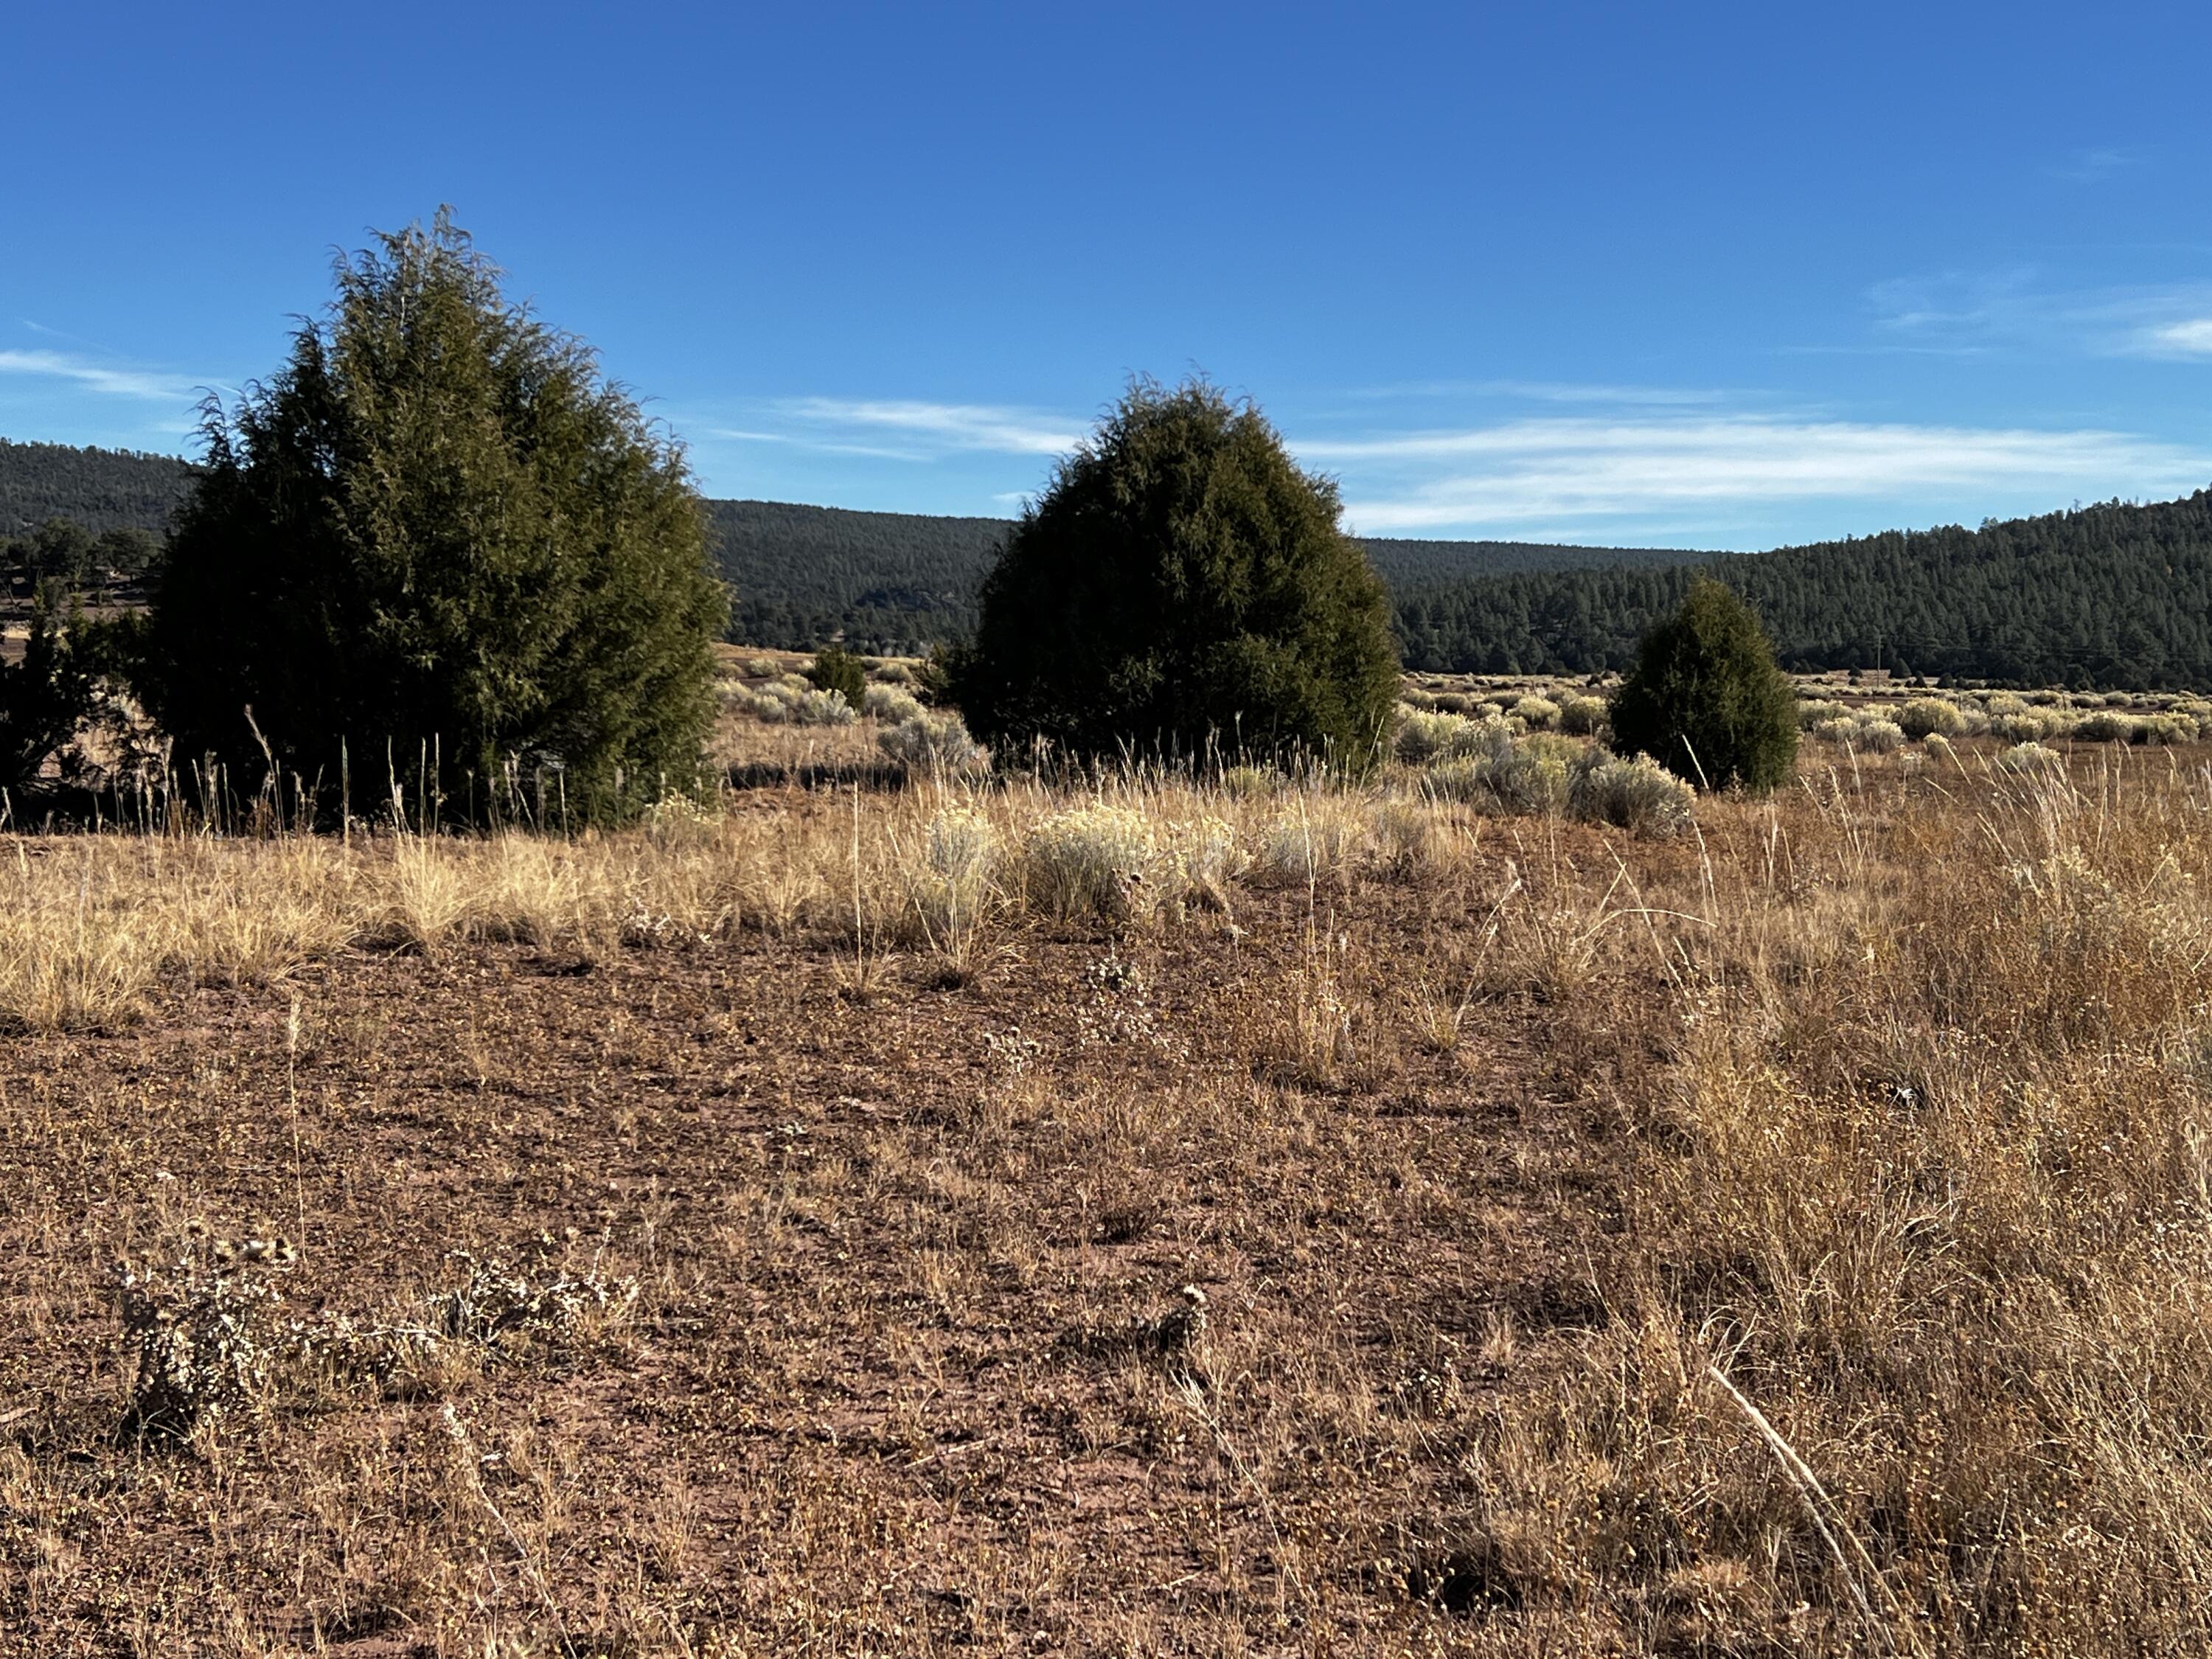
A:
993	1218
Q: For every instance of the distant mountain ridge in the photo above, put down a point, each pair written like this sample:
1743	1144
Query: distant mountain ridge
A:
802	575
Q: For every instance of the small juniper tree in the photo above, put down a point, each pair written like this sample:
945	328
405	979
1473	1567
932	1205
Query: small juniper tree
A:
1705	699
835	669
1181	587
438	529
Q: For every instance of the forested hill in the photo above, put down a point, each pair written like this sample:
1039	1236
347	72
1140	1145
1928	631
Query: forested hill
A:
891	582
102	489
2111	595
896	581
802	575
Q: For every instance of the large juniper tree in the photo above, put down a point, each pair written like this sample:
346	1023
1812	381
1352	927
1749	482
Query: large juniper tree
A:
438	529
1182	587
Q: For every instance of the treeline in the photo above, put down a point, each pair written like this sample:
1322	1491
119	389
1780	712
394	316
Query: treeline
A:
99	490
799	576
2111	595
898	582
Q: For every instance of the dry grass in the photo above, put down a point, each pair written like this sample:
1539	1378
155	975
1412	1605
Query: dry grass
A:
1156	1220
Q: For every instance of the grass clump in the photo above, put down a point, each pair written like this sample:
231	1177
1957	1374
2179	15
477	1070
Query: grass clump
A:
1314	839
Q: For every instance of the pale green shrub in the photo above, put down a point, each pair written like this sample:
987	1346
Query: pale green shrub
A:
1413	697
1584	716
932	743
1877	736
2105	726
1423	737
1091	860
1638	795
1931	716
1815	712
953	884
1316	841
762	668
2029	757
2021	724
890	705
790	701
2159	729
1867	735
1514	779
892	673
1537	713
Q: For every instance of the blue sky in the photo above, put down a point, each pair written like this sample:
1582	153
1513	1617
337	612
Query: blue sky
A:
1684	275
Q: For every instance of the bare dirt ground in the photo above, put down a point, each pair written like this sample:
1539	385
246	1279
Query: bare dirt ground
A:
913	1366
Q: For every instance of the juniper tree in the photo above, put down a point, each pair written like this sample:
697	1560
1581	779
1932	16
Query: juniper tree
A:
1705	699
1181	587
438	528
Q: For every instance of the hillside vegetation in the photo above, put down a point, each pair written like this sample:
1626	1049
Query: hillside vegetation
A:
2111	595
102	489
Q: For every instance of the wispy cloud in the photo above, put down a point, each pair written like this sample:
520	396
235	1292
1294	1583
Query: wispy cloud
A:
1700	470
1548	391
1574	462
2192	338
820	446
104	378
2089	167
942	426
1956	312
